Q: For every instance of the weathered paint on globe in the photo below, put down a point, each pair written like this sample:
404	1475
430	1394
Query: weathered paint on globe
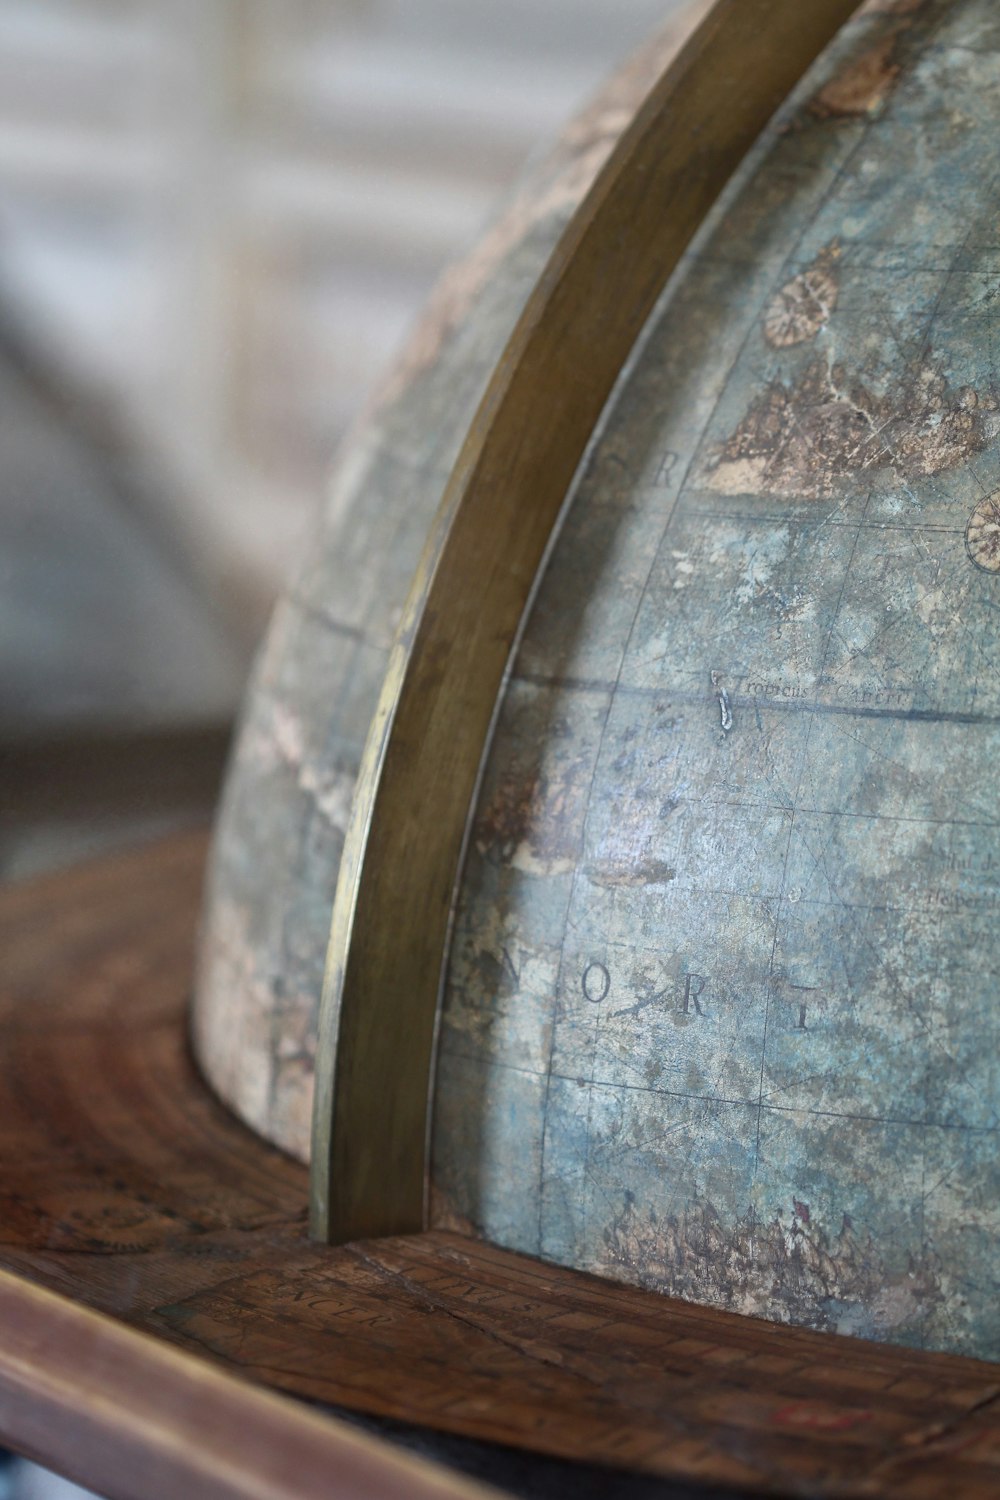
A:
721	1014
288	792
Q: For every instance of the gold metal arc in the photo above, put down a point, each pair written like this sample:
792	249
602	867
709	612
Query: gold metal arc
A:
421	760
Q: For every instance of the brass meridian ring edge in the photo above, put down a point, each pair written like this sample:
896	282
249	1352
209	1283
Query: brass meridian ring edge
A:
421	760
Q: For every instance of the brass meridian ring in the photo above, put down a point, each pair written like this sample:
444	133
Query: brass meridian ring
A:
503	499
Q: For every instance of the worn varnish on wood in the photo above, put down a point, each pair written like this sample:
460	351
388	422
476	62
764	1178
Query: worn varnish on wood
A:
180	1426
125	1185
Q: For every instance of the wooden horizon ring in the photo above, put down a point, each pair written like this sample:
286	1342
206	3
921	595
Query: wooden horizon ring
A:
124	1410
421	761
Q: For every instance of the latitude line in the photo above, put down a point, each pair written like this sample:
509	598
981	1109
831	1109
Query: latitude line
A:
803	523
696	699
722	1101
836	812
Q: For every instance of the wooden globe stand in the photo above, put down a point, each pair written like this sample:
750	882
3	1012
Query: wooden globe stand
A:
154	1262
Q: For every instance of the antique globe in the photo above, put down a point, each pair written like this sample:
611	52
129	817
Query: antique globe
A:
718	1011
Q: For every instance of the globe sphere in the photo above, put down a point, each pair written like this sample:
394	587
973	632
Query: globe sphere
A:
720	1011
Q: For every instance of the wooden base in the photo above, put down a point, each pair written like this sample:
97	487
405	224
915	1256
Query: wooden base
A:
127	1187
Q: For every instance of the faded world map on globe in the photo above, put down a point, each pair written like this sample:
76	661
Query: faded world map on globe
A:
721	1015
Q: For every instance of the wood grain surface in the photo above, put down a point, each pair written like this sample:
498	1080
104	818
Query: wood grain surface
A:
125	1186
123	1413
422	756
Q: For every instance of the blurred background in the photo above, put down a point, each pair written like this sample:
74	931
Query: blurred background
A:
218	219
